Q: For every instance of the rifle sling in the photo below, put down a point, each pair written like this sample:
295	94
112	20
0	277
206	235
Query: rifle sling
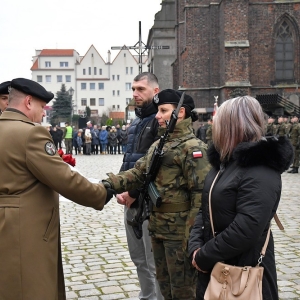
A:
172	207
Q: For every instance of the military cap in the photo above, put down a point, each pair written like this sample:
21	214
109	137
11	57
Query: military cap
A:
32	88
4	87
295	115
170	96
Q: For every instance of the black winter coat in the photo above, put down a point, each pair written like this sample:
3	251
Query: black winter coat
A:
244	200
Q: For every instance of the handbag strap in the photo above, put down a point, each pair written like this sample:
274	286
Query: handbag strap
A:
264	248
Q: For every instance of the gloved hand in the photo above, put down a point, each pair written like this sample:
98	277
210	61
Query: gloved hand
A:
110	192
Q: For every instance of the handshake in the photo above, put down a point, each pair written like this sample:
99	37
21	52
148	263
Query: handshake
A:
110	192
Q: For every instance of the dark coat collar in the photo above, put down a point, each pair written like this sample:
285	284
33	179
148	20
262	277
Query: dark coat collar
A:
272	152
146	110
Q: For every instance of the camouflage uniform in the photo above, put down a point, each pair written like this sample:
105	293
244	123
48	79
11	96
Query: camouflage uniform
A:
179	182
271	129
295	140
209	135
281	130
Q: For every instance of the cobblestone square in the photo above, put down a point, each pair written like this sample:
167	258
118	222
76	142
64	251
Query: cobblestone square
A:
95	255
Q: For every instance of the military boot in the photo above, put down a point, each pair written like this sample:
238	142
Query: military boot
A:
294	170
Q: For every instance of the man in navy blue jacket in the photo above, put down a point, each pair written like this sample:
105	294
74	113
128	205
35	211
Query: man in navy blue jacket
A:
141	135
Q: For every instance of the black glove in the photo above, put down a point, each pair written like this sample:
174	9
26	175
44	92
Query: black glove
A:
110	192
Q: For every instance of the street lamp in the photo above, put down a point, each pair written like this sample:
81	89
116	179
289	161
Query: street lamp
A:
71	93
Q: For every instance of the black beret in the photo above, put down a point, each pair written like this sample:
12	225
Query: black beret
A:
170	96
32	88
295	115
4	87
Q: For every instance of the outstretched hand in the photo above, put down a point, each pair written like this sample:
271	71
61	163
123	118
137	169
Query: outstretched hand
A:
125	199
110	192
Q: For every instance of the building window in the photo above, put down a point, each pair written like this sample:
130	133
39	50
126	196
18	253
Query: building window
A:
131	70
92	102
113	107
128	86
83	71
83	86
63	64
90	71
101	85
128	100
101	101
95	70
39	78
124	54
100	71
118	106
113	77
113	92
118	92
68	78
48	64
83	102
126	70
284	53
118	77
59	78
92	86
48	78
92	54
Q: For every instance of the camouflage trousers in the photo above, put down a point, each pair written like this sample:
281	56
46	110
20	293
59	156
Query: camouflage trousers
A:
296	157
174	272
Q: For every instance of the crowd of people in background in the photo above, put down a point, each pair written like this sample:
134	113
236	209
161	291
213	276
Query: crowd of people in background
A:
91	140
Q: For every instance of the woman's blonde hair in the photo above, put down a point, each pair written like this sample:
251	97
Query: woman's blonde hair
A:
237	120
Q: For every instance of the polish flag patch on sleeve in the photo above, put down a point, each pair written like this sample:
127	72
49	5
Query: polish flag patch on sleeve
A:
197	154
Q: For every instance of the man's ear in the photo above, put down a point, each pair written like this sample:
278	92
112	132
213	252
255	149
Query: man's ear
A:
28	101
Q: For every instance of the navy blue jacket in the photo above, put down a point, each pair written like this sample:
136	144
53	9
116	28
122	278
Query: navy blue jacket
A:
141	135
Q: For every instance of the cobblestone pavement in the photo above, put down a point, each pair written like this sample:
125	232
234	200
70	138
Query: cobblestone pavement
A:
95	255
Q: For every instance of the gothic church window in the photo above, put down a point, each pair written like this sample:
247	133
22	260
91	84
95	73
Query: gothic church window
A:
284	53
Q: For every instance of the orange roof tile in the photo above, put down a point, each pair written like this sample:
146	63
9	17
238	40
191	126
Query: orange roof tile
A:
57	52
35	65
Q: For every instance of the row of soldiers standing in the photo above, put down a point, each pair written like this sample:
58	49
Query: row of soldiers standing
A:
290	129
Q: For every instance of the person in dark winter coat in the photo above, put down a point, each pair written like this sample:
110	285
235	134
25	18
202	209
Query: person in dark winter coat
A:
56	136
123	139
113	140
245	196
103	135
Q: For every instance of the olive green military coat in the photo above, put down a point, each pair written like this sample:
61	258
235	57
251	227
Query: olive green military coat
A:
179	180
31	178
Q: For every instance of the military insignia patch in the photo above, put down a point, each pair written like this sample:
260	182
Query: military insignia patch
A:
156	99
50	148
197	154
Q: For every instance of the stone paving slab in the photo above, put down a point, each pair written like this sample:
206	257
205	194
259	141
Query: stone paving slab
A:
95	255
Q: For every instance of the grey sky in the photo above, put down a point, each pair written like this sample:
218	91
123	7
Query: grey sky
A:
67	24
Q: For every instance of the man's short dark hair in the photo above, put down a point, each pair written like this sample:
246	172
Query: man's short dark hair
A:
150	77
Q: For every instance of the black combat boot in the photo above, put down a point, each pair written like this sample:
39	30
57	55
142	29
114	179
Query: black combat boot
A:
295	170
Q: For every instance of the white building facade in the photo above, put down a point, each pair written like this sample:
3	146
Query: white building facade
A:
105	87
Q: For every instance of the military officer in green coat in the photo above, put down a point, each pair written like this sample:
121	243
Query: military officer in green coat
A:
295	140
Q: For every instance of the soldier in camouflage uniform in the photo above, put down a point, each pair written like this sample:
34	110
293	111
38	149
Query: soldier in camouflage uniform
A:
281	129
295	140
288	125
179	182
209	132
271	127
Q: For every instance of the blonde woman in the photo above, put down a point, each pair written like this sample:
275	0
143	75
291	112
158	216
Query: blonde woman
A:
245	196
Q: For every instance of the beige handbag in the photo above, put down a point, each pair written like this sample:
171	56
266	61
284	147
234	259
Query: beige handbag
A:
231	282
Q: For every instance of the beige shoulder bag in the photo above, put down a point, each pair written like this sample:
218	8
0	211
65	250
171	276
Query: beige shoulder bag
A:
231	282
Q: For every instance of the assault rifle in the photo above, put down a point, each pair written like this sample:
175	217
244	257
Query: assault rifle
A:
148	192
